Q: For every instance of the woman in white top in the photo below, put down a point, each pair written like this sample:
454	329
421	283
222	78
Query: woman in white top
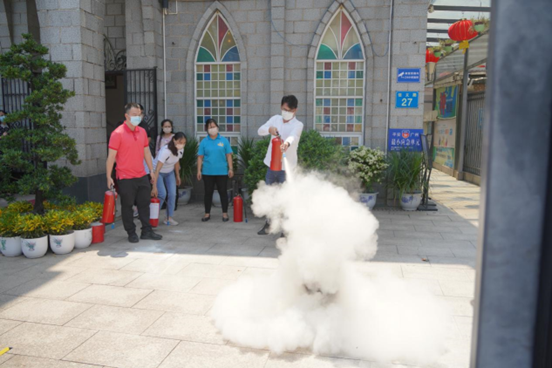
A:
166	168
165	136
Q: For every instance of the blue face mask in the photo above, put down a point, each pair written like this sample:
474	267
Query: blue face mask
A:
135	120
2	118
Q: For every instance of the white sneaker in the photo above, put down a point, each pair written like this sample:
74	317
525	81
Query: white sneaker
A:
135	214
170	222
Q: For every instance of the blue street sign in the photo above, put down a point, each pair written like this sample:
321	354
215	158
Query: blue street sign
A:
405	139
406	100
408	75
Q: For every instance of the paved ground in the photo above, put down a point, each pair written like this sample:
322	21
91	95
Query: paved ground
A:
120	305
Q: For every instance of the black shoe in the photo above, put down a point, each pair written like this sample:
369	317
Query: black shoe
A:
225	219
282	235
264	230
151	236
133	238
205	219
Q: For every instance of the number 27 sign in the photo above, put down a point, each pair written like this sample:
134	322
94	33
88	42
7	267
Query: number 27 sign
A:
406	100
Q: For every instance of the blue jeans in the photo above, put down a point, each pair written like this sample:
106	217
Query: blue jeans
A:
169	180
275	177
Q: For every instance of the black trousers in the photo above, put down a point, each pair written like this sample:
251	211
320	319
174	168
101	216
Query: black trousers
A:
221	182
137	191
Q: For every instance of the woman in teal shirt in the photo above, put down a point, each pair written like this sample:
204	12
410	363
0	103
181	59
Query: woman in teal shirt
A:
214	165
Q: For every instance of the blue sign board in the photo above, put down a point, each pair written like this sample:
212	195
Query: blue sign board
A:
405	139
406	100
408	75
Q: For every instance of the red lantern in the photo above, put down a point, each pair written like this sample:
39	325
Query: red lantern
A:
430	57
462	31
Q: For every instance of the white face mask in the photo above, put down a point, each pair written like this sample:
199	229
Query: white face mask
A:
167	130
213	131
180	146
287	115
135	120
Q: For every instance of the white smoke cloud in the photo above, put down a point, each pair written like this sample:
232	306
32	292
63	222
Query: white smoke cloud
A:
316	299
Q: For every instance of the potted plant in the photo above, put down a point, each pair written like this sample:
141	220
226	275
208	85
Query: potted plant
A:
447	45
10	234
60	228
437	50
20	207
188	168
245	153
82	221
405	174
369	166
34	240
98	228
480	24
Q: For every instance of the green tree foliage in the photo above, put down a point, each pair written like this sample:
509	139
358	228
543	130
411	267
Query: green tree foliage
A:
256	169
47	140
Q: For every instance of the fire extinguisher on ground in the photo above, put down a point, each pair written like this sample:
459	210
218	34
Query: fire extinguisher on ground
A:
276	160
154	211
238	208
109	207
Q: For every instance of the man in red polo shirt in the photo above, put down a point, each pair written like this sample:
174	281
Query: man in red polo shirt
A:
129	146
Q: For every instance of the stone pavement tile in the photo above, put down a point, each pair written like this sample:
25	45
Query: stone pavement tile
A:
4	358
465	253
53	312
13	280
458	288
413	222
115	319
387	249
170	266
105	277
462	236
270	251
452	244
433	286
122	350
189	246
373	269
6	325
452	262
110	295
437	229
404	225
48	289
177	302
237	249
208	270
45	341
385	233
186	327
164	282
8	301
399	258
459	306
211	286
201	258
257	272
34	362
416	235
52	271
107	262
258	262
465	326
196	355
425	251
398	241
437	273
306	361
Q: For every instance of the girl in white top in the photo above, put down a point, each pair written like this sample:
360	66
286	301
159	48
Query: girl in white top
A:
166	169
165	136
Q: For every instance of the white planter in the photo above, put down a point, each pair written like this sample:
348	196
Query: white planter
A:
411	201
184	195
35	248
83	238
368	199
62	244
245	194
10	247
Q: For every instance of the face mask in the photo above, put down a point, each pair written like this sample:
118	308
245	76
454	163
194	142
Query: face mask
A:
135	120
287	115
213	131
180	146
2	118
167	130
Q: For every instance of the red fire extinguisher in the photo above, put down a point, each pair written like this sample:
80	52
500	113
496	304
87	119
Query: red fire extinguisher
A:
154	211
276	161
238	208
110	197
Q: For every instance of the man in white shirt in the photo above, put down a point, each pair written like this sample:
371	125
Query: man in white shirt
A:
289	129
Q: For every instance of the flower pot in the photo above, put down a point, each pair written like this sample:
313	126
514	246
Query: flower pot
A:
62	244
411	201
245	194
368	199
479	27
184	195
98	231
10	247
83	238
35	248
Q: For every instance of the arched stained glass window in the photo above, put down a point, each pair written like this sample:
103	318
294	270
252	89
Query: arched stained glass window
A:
218	78
339	87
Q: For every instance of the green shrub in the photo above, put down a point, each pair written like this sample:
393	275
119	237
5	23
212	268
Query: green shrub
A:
319	153
188	162
369	165
256	169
